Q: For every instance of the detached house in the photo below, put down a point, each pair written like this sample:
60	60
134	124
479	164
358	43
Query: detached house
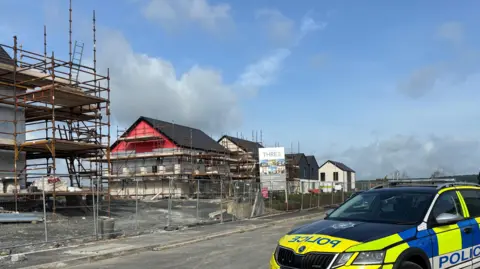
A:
313	167
300	166
297	166
154	152
337	173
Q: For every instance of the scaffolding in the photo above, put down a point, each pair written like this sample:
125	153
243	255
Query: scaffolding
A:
61	112
244	161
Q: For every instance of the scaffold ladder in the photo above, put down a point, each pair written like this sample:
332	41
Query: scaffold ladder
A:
77	60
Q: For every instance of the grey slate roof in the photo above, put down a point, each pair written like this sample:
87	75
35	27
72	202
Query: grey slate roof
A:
5	58
246	145
296	157
182	136
312	160
340	166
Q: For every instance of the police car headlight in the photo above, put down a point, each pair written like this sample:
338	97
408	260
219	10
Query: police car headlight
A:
369	257
342	259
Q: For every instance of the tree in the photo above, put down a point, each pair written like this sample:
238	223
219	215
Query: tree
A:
437	173
404	175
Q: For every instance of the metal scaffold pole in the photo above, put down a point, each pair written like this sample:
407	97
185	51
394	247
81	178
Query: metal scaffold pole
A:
108	140
16	150
52	145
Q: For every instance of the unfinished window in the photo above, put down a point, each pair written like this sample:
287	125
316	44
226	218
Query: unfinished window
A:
154	169
322	176
335	176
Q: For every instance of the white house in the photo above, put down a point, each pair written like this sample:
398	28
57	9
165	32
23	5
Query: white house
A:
336	175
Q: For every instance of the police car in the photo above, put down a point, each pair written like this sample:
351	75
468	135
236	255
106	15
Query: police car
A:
421	224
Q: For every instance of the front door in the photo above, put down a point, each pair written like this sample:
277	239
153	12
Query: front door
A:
472	201
452	243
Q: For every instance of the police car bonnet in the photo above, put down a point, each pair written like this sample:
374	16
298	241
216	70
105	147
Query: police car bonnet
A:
352	230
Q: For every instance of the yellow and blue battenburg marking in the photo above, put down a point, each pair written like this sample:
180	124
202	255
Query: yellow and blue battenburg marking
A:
449	245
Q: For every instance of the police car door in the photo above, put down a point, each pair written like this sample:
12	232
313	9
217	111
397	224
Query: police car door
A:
472	201
451	241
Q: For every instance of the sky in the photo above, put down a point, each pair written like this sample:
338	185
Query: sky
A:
379	86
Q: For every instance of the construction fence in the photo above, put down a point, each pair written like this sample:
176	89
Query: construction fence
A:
176	204
364	185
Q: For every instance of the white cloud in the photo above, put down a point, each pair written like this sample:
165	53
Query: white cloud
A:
149	86
174	13
279	27
415	156
263	72
420	81
308	25
451	31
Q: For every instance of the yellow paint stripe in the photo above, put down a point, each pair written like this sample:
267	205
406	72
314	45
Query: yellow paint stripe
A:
377	244
466	214
458	188
393	253
468	187
387	266
361	267
449	238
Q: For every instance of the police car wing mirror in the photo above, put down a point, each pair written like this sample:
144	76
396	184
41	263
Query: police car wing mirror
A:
447	218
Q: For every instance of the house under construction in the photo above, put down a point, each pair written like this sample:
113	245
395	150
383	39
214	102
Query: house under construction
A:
52	112
245	155
164	159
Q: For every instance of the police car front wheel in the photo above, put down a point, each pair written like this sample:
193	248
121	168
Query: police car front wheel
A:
410	265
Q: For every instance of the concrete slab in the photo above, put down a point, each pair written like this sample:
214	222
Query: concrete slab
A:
99	249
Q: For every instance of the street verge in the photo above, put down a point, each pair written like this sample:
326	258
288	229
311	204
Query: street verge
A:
101	250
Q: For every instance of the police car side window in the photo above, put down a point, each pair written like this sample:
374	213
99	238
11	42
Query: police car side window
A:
472	199
448	202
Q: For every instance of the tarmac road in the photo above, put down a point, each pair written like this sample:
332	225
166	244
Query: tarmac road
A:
237	251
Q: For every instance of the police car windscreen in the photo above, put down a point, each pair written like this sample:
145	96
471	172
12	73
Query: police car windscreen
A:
395	207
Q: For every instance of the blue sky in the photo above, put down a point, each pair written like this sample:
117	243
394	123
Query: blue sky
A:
380	86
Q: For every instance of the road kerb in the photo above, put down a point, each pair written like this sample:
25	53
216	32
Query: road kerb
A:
105	256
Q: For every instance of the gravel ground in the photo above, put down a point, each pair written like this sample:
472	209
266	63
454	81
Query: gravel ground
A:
75	226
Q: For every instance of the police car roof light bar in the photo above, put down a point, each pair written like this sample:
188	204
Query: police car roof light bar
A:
426	180
453	184
416	182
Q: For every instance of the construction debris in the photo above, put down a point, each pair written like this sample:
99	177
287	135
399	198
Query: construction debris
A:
20	217
18	257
